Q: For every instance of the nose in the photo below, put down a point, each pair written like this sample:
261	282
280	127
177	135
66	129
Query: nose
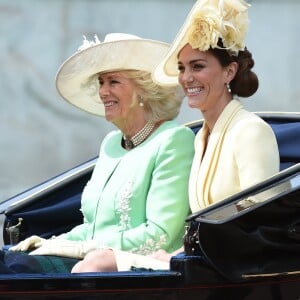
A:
103	90
186	76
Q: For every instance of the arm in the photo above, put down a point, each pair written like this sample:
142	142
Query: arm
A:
165	256
256	152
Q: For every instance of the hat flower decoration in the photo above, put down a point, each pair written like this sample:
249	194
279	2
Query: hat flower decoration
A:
210	24
86	43
219	19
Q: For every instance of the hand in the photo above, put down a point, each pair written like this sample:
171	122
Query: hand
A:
31	242
161	255
66	248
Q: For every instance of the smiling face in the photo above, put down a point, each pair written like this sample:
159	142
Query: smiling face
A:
204	80
117	92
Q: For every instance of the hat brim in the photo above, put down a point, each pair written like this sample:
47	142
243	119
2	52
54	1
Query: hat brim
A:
77	78
166	73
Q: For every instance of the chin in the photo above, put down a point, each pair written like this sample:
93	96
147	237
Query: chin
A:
193	104
108	118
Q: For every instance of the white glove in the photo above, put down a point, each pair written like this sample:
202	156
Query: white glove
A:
31	242
66	248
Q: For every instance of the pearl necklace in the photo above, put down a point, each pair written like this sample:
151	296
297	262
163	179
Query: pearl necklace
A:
139	137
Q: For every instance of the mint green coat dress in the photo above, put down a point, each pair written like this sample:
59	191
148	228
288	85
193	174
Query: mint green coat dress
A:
137	200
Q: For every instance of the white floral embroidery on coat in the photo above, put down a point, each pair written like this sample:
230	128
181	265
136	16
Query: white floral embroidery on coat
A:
124	207
150	246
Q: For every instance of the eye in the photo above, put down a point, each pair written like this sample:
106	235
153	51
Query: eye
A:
114	81
181	68
197	66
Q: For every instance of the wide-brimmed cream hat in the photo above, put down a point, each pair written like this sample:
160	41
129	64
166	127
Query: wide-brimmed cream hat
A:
77	78
207	22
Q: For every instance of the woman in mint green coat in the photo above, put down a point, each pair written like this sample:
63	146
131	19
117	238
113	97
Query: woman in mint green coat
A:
137	197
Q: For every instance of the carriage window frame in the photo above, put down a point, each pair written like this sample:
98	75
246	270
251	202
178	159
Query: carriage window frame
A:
283	183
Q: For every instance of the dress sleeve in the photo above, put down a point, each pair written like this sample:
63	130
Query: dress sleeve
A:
255	142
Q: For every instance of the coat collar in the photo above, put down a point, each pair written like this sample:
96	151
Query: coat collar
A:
207	157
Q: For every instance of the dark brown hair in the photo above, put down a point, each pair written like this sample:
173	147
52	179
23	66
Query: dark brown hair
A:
245	83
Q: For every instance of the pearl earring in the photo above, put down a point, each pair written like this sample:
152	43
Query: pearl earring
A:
228	87
141	101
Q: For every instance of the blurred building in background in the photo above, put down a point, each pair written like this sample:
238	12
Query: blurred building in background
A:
42	135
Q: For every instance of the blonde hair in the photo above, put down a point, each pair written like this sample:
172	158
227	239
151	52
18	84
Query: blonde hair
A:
160	103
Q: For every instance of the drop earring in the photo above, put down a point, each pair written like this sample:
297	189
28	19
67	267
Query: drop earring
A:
141	101
228	87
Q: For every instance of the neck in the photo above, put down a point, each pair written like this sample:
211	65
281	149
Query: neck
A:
132	125
211	116
139	137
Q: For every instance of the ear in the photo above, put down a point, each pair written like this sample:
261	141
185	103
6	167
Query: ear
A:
231	71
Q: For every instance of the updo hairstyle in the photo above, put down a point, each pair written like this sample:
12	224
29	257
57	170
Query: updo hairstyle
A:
245	83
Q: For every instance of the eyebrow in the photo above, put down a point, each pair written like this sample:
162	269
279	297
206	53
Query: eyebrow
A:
112	75
194	60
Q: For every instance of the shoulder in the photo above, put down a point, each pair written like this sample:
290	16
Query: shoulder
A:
111	141
170	139
172	135
251	134
247	124
112	137
173	129
173	144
